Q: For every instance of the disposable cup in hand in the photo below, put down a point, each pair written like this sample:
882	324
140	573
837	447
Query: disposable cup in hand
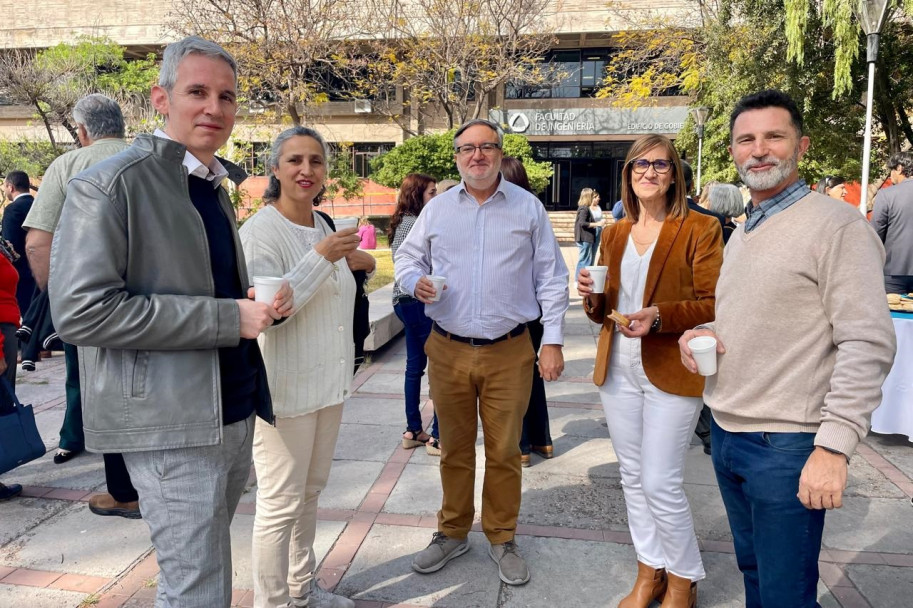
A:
344	223
265	289
597	273
703	349
438	283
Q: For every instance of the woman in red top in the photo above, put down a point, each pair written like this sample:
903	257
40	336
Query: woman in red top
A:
9	323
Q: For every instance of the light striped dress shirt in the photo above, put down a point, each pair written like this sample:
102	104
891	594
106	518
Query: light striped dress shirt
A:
501	261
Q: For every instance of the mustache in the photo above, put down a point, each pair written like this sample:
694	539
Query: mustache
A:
757	162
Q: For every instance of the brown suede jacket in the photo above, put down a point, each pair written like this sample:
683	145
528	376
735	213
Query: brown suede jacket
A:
681	281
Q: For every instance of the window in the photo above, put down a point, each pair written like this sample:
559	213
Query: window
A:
363	153
580	74
255	156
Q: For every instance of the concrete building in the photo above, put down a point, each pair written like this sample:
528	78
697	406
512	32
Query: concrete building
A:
584	138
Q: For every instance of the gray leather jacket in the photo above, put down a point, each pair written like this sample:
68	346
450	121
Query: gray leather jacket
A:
131	285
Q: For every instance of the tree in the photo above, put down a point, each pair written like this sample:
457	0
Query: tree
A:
53	80
284	48
894	79
433	155
343	179
447	56
725	49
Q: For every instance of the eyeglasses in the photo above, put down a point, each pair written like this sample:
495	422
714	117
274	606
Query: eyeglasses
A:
468	149
659	165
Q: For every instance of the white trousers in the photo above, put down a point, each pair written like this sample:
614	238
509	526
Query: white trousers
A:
651	431
293	462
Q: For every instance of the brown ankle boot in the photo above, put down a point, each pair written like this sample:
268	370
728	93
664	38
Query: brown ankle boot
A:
681	593
650	585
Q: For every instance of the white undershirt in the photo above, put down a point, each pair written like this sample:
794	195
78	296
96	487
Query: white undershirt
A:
634	268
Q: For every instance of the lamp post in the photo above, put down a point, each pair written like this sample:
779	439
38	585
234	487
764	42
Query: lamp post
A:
870	14
700	118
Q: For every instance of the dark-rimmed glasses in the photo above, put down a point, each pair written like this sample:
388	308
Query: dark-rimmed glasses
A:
468	149
660	165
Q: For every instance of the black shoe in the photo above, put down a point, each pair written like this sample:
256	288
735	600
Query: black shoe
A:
63	456
10	491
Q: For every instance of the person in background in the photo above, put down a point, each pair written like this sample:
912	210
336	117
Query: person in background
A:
414	193
9	322
16	187
726	200
834	187
100	128
446	184
704	199
536	436
692	205
585	230
309	361
367	234
892	219
663	262
596	212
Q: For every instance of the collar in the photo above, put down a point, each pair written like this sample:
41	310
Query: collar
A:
18	196
502	188
771	206
213	172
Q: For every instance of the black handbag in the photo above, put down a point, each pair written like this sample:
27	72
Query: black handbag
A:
19	438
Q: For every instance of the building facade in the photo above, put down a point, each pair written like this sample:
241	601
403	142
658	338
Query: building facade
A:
584	138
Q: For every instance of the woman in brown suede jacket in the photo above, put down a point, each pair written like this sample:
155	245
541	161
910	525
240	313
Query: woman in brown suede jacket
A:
663	264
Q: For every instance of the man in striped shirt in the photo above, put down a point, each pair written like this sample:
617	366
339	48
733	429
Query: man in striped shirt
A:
493	243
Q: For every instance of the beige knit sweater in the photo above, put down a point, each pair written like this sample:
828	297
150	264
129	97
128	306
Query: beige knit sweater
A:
310	356
800	308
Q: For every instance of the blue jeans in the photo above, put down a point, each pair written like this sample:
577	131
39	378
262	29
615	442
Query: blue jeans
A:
584	256
777	540
418	327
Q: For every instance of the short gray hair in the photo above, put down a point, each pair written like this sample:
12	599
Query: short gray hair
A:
100	115
480	121
726	200
191	45
274	188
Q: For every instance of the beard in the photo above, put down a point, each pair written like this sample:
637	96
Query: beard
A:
777	174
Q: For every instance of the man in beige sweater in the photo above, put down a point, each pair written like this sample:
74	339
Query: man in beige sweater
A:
805	341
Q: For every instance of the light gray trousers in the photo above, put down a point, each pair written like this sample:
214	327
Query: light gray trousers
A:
188	497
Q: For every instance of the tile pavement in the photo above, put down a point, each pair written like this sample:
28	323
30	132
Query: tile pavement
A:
379	507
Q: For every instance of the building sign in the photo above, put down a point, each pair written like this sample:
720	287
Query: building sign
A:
593	121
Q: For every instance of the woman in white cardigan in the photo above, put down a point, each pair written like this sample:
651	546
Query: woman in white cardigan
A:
309	360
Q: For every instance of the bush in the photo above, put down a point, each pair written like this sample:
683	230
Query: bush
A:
433	155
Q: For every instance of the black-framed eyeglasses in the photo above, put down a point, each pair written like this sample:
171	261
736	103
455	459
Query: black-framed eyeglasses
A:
468	149
660	165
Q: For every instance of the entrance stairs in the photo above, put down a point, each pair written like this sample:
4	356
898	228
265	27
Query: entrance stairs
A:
563	225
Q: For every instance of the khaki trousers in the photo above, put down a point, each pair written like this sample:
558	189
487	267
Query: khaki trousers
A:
492	383
293	462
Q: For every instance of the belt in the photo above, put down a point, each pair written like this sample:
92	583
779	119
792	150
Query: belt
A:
516	331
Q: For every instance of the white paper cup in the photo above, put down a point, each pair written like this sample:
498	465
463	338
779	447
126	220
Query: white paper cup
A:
703	349
438	283
343	223
597	273
265	289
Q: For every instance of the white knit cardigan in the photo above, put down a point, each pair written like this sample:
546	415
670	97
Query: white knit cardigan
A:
310	356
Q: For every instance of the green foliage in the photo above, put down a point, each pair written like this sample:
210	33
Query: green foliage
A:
343	179
433	155
30	156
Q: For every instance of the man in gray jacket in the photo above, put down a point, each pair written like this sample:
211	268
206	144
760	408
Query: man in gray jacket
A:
892	219
148	278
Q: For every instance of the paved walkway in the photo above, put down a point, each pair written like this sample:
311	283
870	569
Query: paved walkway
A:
380	504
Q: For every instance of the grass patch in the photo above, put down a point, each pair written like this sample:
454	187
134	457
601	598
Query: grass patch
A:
384	273
90	600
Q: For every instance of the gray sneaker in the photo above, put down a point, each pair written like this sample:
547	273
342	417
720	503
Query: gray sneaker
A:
436	555
320	598
511	567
